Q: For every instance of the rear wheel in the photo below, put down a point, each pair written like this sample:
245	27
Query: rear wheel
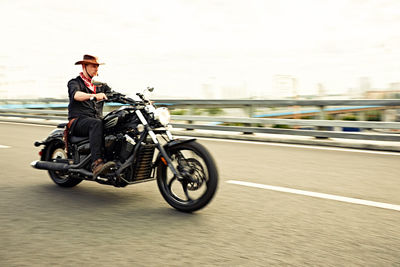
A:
200	177
56	151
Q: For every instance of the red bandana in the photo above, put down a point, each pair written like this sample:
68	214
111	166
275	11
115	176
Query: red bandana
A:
88	83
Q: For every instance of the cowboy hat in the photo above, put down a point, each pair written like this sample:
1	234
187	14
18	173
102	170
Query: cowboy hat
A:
88	59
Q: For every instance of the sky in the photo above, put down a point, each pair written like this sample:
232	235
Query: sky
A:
187	47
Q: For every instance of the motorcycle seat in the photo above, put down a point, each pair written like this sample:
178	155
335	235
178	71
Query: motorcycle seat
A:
78	139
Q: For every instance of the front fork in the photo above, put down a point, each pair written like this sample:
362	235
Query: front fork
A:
159	146
169	162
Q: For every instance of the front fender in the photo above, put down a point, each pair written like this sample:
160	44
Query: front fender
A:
168	146
176	142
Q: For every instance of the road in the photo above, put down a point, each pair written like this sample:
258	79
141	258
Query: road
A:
96	225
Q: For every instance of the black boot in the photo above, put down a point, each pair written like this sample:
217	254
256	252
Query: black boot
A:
99	167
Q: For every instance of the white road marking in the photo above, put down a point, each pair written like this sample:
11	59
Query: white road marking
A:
354	150
28	124
1	146
319	195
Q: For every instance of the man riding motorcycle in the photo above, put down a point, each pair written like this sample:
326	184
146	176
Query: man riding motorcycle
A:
85	112
137	142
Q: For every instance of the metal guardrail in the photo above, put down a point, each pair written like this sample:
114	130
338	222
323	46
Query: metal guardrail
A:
264	124
223	103
294	122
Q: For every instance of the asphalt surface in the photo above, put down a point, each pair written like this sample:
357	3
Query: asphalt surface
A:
42	224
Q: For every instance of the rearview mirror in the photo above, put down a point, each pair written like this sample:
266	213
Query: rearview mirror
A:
96	81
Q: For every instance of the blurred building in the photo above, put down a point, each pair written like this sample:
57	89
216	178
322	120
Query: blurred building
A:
394	86
213	89
321	90
382	94
285	86
235	91
209	89
364	85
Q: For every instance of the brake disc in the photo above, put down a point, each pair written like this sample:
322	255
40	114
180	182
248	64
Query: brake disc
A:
196	172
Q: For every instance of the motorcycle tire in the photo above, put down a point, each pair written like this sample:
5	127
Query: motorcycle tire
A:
202	170
56	150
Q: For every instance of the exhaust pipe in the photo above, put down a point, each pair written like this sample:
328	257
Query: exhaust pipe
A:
51	166
81	171
56	166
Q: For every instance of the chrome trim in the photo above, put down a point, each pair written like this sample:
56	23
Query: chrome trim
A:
33	163
153	136
141	117
129	139
170	137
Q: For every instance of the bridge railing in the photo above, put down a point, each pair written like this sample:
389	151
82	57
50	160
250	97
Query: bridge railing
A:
383	131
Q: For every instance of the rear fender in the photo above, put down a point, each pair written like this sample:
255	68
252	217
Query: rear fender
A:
55	136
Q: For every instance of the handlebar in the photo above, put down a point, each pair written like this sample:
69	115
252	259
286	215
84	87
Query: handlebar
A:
123	99
120	98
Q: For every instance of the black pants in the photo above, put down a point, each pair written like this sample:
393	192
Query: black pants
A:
92	127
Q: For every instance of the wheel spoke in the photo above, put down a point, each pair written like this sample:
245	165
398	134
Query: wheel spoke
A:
170	183
200	174
184	186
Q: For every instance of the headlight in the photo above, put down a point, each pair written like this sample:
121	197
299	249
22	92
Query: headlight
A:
162	115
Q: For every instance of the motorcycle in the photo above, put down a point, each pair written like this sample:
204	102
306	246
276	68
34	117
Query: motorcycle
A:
185	171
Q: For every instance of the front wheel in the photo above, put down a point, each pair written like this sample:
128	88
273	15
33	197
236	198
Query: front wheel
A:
56	151
200	177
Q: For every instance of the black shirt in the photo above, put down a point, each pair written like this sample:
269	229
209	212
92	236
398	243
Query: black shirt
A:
84	108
